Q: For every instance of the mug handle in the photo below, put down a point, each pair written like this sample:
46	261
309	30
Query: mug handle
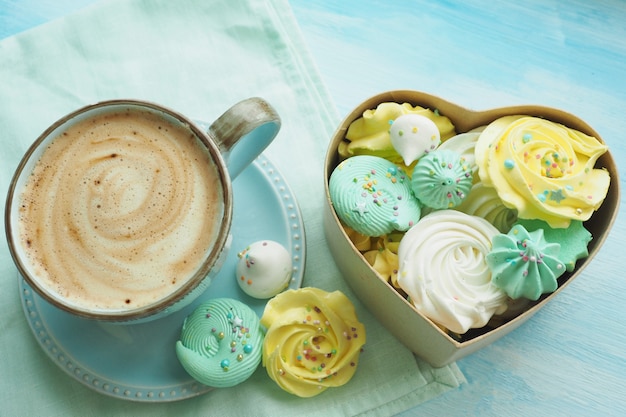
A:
244	131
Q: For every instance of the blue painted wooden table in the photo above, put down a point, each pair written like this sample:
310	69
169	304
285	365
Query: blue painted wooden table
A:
569	359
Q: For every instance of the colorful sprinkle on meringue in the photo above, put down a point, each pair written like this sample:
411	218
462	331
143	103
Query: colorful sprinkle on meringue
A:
373	196
413	135
441	179
574	240
221	343
443	270
264	269
313	340
369	134
524	264
542	169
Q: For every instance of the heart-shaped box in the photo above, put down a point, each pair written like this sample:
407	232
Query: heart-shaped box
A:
391	308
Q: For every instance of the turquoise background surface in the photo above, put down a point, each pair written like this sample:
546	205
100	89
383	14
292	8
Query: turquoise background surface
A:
570	358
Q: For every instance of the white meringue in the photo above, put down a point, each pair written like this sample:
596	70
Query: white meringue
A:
264	269
413	135
444	272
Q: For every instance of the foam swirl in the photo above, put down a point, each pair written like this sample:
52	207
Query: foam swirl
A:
120	210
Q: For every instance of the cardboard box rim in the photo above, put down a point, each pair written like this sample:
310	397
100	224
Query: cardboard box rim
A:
422	336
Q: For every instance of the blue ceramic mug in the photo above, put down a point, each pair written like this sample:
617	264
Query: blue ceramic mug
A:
121	211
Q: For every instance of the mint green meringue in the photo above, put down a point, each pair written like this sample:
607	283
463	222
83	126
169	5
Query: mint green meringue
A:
441	179
373	196
221	343
574	239
524	264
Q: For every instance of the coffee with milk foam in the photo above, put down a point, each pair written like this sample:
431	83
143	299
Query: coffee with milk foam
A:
121	210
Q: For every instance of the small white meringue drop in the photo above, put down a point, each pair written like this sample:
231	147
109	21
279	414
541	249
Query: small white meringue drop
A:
413	135
264	269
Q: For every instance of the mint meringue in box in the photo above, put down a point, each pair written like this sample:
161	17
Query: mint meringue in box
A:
463	223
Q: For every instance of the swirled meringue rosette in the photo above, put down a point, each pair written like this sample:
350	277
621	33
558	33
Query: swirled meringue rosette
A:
543	169
313	340
220	343
444	272
483	201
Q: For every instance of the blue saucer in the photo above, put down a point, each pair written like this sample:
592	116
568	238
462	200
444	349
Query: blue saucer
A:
138	362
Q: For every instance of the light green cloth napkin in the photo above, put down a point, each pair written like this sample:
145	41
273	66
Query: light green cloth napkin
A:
198	57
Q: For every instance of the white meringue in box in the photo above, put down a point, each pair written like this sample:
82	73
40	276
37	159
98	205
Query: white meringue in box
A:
413	135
